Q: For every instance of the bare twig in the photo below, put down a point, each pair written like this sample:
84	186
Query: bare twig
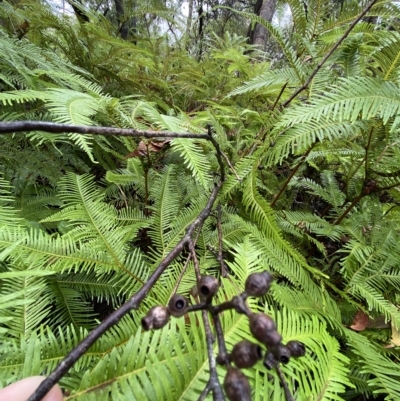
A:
205	392
279	96
222	352
230	166
132	303
55	128
334	47
215	385
285	386
294	171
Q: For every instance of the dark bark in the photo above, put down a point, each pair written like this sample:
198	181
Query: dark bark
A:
266	10
122	25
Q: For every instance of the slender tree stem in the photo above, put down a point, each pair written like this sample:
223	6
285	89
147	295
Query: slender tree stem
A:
346	212
215	385
288	394
55	128
292	174
279	96
334	47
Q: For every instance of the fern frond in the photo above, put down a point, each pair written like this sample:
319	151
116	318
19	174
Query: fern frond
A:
194	159
354	98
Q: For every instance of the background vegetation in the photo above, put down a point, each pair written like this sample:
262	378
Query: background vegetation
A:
85	220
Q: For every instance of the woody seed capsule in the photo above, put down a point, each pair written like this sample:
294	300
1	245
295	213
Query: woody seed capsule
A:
261	325
296	348
236	386
257	284
177	305
208	287
245	354
156	318
270	361
272	338
282	353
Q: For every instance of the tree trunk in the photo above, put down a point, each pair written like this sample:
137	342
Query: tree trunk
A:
259	36
122	26
189	18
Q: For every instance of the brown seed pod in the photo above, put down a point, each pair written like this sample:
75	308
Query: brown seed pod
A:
296	348
178	305
236	386
156	318
272	338
270	361
257	284
261	325
282	353
245	354
208	287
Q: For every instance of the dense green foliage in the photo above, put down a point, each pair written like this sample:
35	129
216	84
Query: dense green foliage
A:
84	222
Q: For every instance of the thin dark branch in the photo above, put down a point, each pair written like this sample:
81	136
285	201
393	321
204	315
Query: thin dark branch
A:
218	394
219	152
292	174
55	128
285	386
279	96
205	392
346	212
228	162
335	46
222	352
133	303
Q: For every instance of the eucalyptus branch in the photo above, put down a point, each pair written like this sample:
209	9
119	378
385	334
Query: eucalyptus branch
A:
369	187
133	303
244	354
279	95
292	174
215	385
285	386
330	52
205	392
55	128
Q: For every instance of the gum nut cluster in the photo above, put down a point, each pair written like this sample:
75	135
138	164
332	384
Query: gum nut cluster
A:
244	354
158	316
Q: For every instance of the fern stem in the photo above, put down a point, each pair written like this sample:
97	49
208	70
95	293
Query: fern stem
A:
133	303
346	212
294	171
334	47
279	96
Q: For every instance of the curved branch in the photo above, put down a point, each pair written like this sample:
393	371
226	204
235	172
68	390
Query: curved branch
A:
335	46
